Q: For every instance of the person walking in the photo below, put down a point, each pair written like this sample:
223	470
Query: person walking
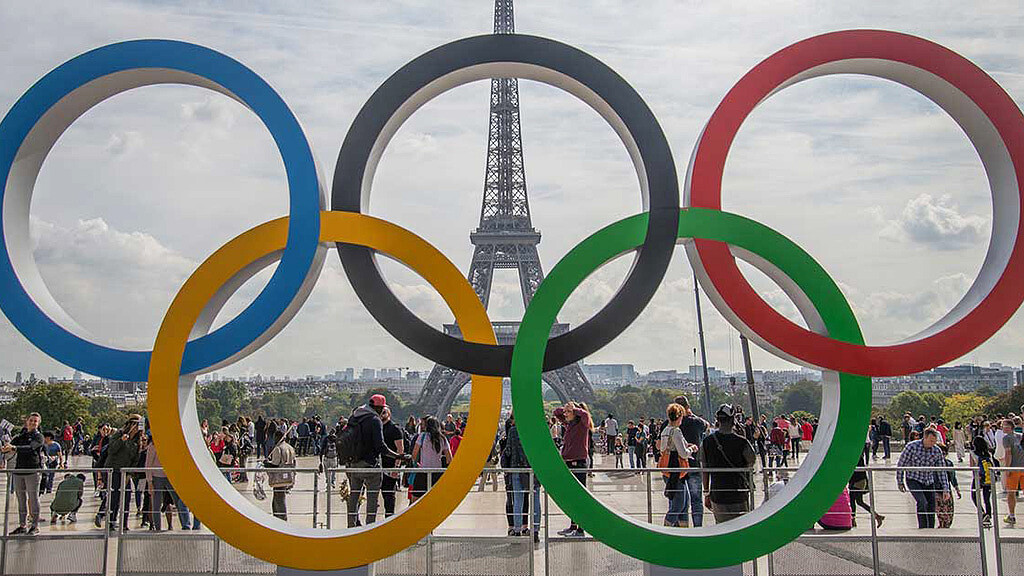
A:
430	450
981	485
371	447
1013	456
694	428
672	443
260	435
576	424
611	432
728	493
795	434
885	437
282	455
924	485
631	432
394	437
858	486
27	447
959	440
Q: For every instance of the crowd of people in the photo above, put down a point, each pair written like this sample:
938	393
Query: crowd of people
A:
371	459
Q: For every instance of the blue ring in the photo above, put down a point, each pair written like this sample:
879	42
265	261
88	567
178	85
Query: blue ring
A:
303	205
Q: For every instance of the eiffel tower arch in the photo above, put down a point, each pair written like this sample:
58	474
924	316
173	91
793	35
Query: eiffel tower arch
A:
505	239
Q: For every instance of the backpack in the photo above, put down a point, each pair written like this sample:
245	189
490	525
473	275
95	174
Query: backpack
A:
349	444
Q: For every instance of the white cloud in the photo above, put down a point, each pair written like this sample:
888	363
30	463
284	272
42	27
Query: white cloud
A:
937	223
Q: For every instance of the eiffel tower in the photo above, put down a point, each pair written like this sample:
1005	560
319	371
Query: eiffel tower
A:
505	238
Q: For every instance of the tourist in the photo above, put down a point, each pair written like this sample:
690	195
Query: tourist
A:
1013	456
27	446
611	432
631	432
925	485
450	426
260	436
67	442
959	441
884	435
431	450
672	443
777	449
795	434
282	455
576	423
693	428
981	484
164	498
372	446
68	498
518	483
618	449
411	428
228	456
394	438
728	493
807	433
858	486
122	452
642	437
53	457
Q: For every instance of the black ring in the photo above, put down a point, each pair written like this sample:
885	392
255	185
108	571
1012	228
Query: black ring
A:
374	119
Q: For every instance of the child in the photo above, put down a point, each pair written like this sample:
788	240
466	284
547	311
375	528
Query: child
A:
619	449
982	458
68	498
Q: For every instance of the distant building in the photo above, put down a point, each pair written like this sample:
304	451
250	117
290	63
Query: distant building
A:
17	378
961	379
609	375
368	374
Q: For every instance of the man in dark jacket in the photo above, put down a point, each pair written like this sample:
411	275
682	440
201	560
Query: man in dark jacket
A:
371	439
28	445
123	452
885	436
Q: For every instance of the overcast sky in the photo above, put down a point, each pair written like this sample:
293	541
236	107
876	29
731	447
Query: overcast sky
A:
872	179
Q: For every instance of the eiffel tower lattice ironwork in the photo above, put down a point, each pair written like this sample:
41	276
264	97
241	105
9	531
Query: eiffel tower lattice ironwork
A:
506	239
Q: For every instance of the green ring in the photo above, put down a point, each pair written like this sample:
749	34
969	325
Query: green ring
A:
666	546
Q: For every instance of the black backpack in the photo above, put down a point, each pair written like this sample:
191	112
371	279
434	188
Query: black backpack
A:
350	443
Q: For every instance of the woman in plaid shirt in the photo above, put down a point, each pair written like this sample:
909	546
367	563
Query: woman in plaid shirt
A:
925	485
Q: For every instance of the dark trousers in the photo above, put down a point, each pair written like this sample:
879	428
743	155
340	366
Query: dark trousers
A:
279	505
581	477
886	448
117	499
924	496
388	489
795	443
985	494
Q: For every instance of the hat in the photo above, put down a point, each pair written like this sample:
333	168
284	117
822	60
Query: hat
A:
725	411
378	400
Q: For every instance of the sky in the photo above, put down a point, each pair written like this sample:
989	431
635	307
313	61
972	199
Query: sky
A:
870	178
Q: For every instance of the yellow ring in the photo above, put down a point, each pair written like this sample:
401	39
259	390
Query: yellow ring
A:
184	457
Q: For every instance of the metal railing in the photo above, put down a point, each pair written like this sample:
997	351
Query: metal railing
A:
472	538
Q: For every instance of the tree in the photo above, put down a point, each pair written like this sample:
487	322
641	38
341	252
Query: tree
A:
803	395
906	401
1006	402
229	396
963	407
55	403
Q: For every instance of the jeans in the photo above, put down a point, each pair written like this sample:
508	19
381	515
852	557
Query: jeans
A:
117	499
521	505
164	493
726	512
795	443
694	499
924	496
356	482
678	498
26	487
632	456
886	449
279	505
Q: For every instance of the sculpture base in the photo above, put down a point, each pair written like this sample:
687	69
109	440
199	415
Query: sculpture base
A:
357	571
653	570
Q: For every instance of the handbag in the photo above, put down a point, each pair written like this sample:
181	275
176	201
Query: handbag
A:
665	462
226	458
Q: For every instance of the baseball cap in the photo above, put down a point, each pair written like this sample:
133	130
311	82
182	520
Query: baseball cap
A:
725	411
378	400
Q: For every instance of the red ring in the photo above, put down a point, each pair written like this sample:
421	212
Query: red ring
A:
706	191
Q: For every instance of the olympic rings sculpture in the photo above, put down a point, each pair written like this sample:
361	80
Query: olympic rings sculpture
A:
185	346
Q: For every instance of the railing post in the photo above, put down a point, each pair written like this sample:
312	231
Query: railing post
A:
650	510
547	523
871	520
108	475
978	502
529	518
216	554
7	510
121	519
329	483
316	492
995	523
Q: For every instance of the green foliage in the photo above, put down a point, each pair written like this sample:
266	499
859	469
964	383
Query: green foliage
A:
56	403
929	404
1006	402
963	407
801	396
803	414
